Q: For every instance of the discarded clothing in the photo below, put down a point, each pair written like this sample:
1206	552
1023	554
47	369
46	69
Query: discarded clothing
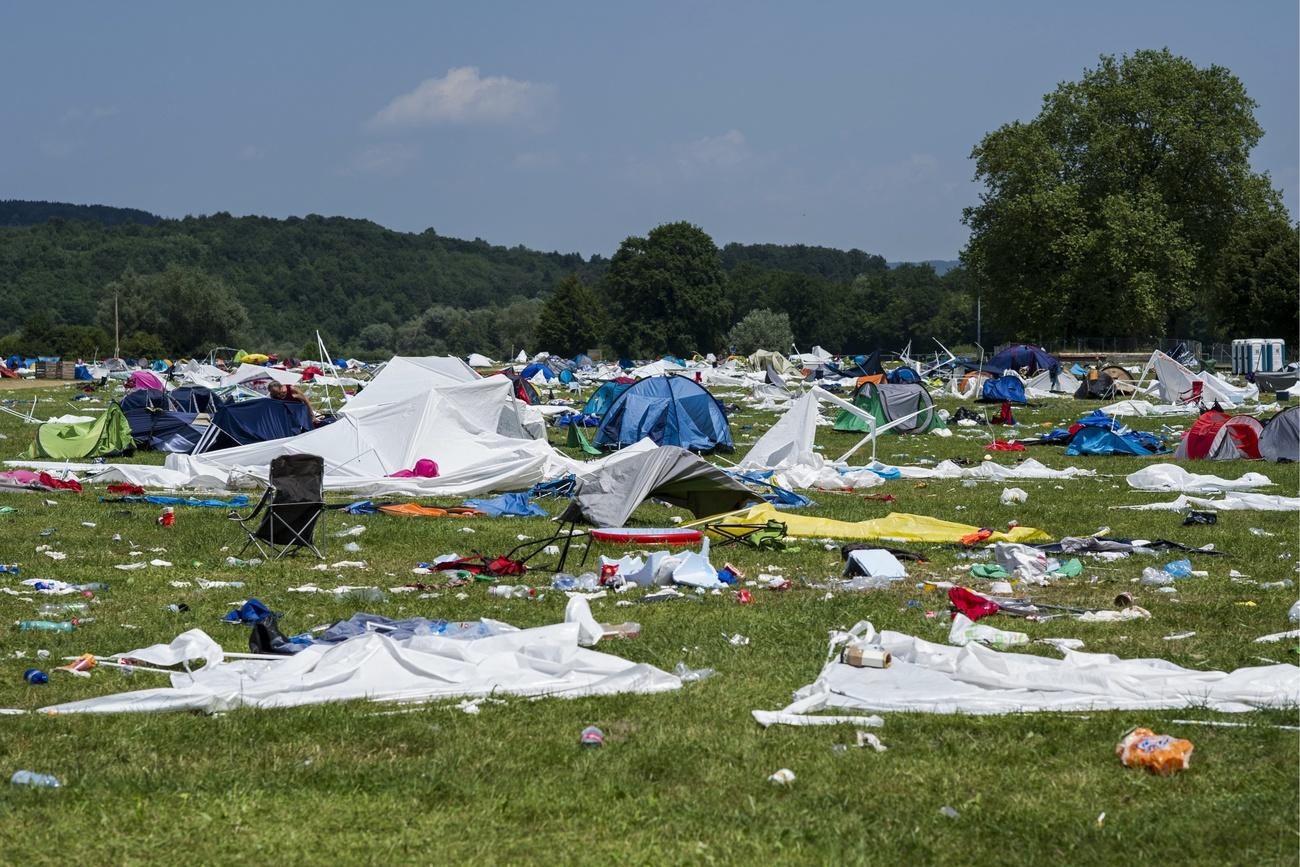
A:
514	505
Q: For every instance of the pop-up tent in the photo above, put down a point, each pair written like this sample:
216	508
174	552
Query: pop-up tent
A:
1022	356
195	398
671	411
254	421
164	430
1177	384
107	435
146	398
1217	436
1280	440
888	402
604	396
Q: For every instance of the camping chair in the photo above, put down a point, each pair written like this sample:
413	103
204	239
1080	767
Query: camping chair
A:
1193	395
291	508
768	536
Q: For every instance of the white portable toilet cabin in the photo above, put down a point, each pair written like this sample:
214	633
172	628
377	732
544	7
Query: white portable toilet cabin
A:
1258	355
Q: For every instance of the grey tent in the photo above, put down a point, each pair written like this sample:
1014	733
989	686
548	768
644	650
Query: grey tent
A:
608	496
1280	439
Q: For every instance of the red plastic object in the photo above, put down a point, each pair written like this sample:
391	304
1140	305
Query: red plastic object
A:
648	535
744	597
971	604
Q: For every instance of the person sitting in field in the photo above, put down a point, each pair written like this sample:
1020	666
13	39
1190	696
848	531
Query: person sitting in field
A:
280	391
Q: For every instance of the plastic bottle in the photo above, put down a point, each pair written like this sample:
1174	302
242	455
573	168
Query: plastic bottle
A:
93	587
46	625
31	778
1179	568
178	608
1294	614
506	591
564	581
690	675
36	677
235	561
59	609
592	737
1155	578
9	569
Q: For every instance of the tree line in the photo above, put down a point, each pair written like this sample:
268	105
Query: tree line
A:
1126	208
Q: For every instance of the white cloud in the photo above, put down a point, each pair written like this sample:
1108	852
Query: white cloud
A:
391	158
462	96
726	151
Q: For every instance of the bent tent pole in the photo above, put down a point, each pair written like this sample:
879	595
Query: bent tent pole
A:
875	431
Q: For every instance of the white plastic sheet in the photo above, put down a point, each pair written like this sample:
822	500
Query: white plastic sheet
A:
1171	477
546	661
1231	502
936	678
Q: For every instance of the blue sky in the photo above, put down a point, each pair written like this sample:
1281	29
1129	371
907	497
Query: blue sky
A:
570	126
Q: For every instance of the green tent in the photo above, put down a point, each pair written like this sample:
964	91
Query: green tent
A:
107	435
889	401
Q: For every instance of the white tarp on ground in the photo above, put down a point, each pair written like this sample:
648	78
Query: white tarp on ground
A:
1174	383
545	661
937	678
1171	477
1232	502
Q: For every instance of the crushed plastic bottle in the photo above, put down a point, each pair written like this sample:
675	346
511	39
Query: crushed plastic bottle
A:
60	609
1294	614
1155	578
622	630
1160	754
35	780
690	675
36	677
1179	568
507	591
235	561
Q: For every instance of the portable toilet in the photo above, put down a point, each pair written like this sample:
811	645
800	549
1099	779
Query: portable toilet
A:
1257	355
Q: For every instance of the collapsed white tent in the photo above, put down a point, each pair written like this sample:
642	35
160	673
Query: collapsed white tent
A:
252	374
788	443
936	678
471	430
544	661
1175	383
1171	477
1234	501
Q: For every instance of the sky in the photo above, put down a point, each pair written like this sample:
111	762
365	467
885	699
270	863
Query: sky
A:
570	126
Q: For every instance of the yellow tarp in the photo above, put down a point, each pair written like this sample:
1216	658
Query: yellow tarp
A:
898	525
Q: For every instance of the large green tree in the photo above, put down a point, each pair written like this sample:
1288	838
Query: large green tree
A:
760	329
572	319
667	292
189	310
1115	211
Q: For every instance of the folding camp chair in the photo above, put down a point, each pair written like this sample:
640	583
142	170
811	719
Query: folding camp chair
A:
291	508
768	536
1193	395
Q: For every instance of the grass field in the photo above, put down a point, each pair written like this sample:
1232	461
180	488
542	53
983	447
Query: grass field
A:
683	776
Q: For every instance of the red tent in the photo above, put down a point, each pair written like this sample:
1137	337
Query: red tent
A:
1220	437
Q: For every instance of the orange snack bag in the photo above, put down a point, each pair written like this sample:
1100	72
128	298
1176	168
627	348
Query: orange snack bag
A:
1161	754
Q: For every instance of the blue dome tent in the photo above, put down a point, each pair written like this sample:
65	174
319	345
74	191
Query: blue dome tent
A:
604	397
672	411
1008	388
1022	355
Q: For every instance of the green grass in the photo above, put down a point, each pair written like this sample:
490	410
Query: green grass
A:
682	777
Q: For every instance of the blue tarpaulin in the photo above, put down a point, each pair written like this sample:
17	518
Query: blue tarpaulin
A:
1101	441
671	411
513	505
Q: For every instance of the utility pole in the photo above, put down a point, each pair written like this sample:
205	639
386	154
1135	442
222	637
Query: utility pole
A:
979	321
117	349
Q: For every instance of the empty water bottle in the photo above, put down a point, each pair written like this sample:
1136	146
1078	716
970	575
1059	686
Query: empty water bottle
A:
564	581
46	625
1179	568
59	609
93	587
506	591
1155	578
690	675
31	778
36	677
